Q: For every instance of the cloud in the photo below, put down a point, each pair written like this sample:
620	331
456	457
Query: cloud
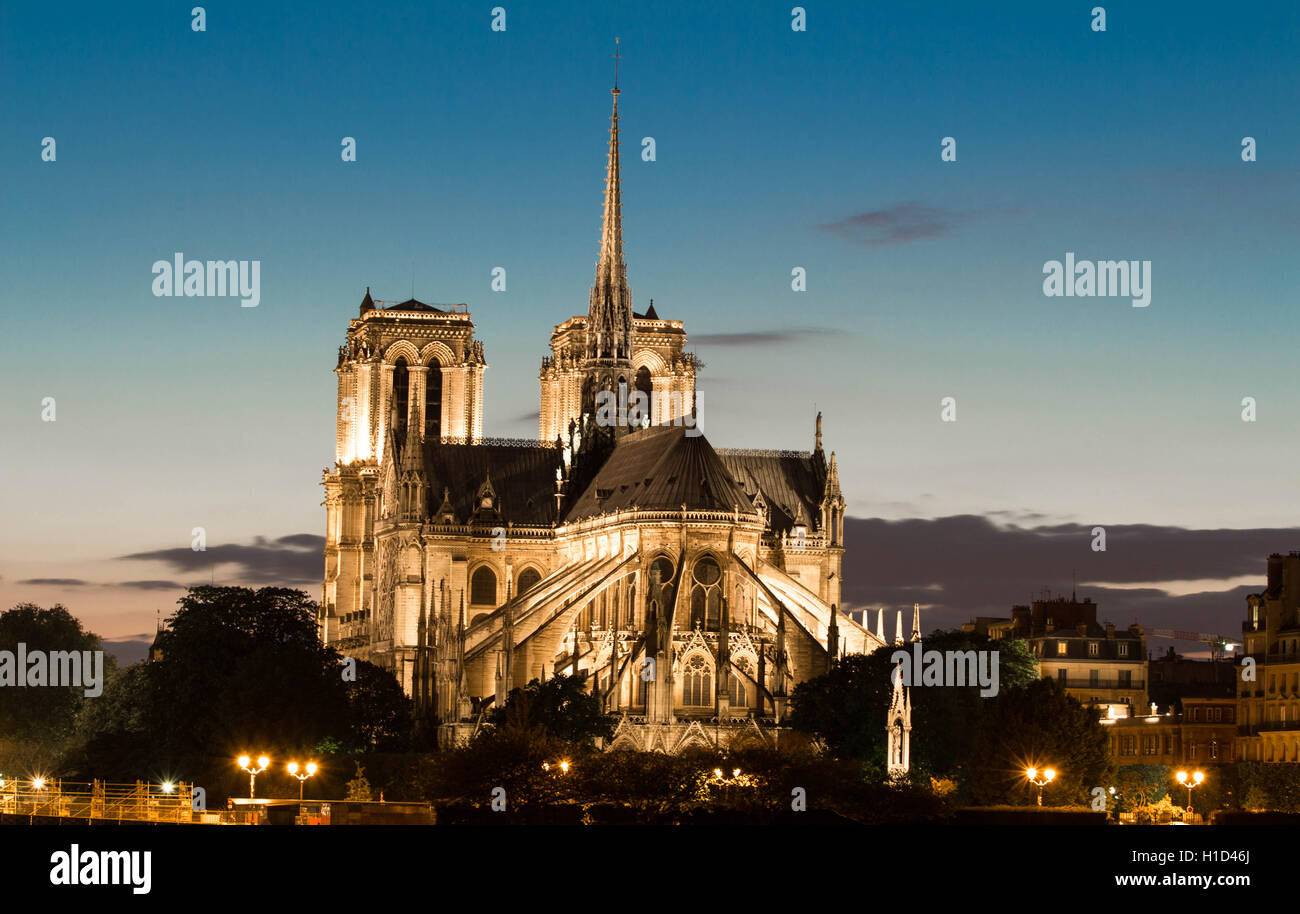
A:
151	585
758	338
898	224
525	417
966	565
294	559
55	582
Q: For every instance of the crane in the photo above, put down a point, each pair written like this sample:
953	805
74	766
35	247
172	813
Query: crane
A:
1218	643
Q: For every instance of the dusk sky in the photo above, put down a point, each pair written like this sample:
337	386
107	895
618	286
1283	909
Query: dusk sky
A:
775	149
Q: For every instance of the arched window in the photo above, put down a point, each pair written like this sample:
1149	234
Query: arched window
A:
527	579
738	682
401	397
433	401
697	683
646	387
483	587
706	595
665	569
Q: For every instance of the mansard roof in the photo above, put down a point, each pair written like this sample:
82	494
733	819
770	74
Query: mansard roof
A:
788	480
661	469
523	479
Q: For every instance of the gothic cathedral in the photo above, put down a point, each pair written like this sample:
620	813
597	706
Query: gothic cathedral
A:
690	586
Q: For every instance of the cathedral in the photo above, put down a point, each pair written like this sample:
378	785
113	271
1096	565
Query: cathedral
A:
689	586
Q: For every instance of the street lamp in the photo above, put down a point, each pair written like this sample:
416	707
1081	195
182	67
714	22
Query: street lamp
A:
307	772
1190	781
245	763
1049	775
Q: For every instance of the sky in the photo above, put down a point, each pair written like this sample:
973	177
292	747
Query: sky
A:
775	149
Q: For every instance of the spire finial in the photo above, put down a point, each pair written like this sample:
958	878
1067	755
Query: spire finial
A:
617	57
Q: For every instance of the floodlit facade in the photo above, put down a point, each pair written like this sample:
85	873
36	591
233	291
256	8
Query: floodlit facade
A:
691	586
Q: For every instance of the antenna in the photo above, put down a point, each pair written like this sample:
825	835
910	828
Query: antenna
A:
413	280
617	57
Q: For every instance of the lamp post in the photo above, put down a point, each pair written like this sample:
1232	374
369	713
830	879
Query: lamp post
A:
308	771
1049	775
245	763
1189	781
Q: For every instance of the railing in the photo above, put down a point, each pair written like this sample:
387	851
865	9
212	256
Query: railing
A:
1104	684
138	802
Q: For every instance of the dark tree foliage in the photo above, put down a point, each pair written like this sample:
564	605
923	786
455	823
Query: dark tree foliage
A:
560	707
44	717
1039	726
846	708
241	671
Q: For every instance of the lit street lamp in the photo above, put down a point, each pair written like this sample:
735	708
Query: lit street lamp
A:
1190	781
1049	775
245	763
308	772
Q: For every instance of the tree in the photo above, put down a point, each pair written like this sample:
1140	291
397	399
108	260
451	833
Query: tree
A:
1039	726
359	786
846	708
560	707
1141	785
42	720
241	670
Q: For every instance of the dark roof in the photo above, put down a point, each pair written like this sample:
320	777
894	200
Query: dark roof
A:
661	469
412	305
650	314
522	475
787	482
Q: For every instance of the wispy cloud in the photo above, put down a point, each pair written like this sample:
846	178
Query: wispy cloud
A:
901	223
55	582
759	337
294	559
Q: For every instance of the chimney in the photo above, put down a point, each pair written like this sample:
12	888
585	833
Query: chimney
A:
1110	631
1274	572
1083	629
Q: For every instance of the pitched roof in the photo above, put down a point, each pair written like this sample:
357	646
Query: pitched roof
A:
411	305
661	468
788	482
523	477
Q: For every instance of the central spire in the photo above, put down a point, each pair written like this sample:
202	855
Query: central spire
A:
609	315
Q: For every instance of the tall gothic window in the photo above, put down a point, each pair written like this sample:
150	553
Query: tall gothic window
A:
527	579
706	595
647	387
401	397
697	683
737	683
433	401
483	587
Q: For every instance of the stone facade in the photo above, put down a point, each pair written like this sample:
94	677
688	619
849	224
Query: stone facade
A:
691	587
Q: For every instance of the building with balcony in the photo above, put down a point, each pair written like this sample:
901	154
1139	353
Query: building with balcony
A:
1268	680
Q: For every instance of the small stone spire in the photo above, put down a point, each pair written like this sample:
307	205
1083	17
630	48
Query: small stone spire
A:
880	624
832	639
916	621
898	630
817	445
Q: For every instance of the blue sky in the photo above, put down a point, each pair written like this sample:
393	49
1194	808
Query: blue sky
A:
479	149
